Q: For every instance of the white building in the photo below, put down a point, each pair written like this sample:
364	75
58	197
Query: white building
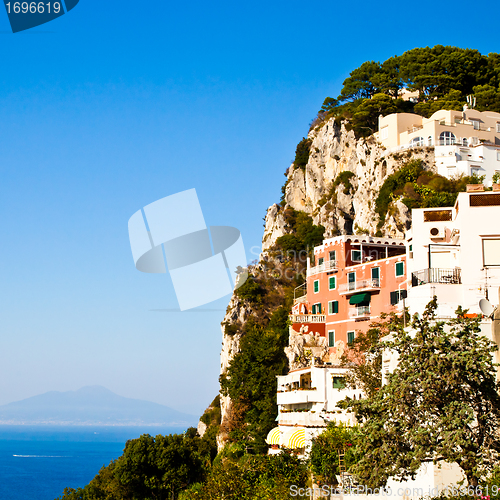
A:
307	401
454	253
480	160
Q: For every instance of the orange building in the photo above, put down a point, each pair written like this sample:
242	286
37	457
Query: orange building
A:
354	279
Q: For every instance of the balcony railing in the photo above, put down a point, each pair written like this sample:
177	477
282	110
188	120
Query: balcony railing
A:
357	286
329	265
360	312
299	294
308	318
436	275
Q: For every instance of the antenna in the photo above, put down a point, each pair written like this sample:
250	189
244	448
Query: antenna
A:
487	308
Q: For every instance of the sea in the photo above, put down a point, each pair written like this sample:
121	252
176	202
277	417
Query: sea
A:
38	462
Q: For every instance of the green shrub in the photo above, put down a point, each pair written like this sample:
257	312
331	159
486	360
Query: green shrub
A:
302	153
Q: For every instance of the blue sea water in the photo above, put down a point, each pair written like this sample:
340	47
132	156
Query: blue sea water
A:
37	463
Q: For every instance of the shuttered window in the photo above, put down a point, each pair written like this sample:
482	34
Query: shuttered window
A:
316	286
331	338
333	307
331	283
350	337
400	268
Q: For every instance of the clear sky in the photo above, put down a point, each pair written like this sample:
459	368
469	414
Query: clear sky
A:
118	104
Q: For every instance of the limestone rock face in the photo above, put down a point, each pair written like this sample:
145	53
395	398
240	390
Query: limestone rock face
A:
343	209
202	427
344	205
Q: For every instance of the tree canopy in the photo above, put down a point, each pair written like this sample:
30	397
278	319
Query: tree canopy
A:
441	75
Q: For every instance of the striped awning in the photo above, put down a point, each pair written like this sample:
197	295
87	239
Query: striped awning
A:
294	438
274	436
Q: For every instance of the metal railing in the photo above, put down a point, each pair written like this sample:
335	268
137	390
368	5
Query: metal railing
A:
360	312
308	318
329	265
359	285
436	275
300	293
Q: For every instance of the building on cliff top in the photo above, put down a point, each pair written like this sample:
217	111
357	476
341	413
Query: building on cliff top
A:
466	142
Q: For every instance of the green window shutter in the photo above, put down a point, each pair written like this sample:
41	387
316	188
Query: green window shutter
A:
314	309
350	337
316	286
400	268
335	306
320	261
331	339
331	282
394	298
333	255
375	273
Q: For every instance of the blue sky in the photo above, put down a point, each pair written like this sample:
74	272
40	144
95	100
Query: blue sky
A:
118	104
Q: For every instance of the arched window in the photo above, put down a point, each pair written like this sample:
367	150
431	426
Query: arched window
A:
429	140
464	141
417	141
446	138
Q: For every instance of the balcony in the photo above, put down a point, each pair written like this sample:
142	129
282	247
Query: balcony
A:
436	275
307	318
360	312
302	418
359	286
299	397
330	265
311	419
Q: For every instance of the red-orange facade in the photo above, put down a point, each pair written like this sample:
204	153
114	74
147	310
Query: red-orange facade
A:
352	280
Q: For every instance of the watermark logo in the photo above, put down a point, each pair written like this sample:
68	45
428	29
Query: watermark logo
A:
171	233
26	15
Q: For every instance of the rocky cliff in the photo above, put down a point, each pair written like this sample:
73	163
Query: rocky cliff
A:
337	188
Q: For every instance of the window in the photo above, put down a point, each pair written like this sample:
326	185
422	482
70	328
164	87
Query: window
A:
464	143
384	133
333	307
498	155
316	308
320	261
475	124
316	286
400	269
474	171
331	283
398	295
429	140
333	255
331	338
351	281
417	141
491	252
350	337
446	138
338	382
498	126
356	255
375	273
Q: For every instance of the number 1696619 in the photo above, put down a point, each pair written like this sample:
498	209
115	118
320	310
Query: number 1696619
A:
33	7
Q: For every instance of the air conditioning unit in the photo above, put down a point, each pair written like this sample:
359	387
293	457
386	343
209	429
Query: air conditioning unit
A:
437	233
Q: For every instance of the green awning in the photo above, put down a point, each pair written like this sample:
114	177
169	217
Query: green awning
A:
359	298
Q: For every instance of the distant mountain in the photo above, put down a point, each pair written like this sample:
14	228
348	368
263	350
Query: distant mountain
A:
92	405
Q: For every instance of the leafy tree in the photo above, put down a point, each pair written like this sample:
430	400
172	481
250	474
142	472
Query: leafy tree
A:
267	477
364	355
324	456
302	153
441	403
250	380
